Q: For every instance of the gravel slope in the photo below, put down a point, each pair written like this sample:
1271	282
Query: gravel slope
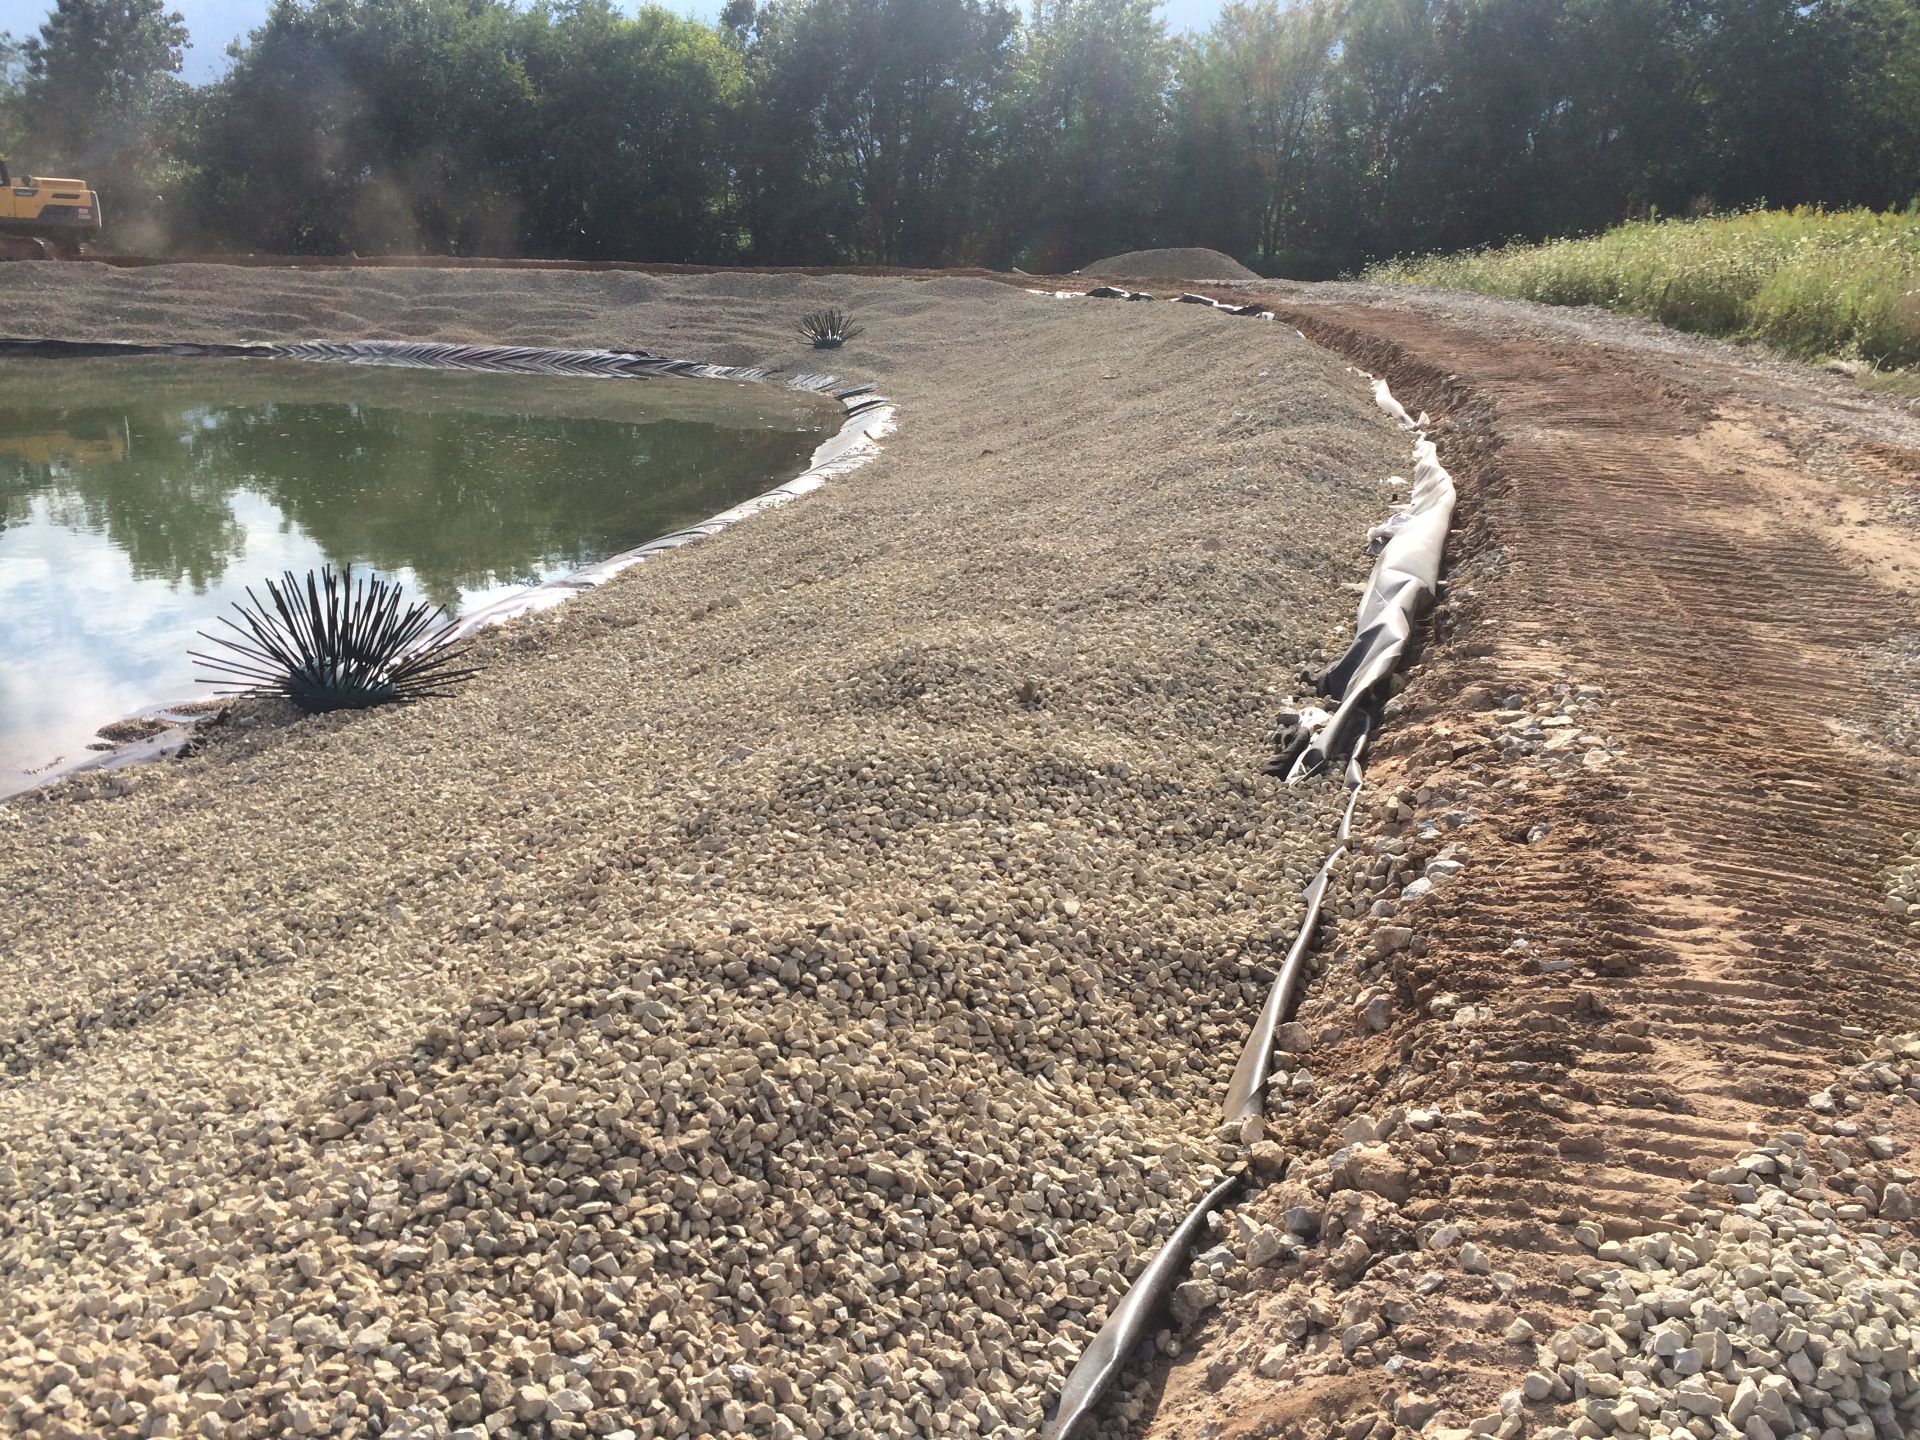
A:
784	995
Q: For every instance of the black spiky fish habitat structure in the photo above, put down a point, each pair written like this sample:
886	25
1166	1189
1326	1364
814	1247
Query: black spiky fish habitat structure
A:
828	329
334	643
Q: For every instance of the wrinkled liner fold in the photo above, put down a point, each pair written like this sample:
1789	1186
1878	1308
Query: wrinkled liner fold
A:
1404	582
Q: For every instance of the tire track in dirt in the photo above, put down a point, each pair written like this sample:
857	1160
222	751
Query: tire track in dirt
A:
1742	844
1667	950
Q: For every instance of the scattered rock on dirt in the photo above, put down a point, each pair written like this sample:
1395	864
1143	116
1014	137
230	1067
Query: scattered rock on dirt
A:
1765	1315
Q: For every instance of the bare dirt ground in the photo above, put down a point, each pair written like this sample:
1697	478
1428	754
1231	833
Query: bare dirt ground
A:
1697	566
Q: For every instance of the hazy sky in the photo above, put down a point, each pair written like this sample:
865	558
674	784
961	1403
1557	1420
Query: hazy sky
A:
212	23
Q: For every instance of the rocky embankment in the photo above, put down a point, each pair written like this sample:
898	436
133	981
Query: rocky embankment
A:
785	995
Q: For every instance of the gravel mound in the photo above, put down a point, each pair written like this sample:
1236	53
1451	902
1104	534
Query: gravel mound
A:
1188	263
786	994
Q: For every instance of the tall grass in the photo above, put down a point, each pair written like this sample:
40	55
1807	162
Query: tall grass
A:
1811	283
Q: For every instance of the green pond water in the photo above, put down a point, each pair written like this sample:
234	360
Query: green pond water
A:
140	496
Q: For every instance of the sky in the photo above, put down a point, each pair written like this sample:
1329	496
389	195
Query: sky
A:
212	23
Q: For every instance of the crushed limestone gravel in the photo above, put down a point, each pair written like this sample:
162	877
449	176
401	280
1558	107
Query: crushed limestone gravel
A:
787	994
1772	1312
1191	262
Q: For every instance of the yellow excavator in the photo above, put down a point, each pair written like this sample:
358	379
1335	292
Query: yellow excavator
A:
45	219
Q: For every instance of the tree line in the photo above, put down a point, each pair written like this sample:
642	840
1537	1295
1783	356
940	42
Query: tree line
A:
1304	138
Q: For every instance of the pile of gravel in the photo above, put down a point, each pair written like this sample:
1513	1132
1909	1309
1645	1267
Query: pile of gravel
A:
787	994
1186	263
1772	1313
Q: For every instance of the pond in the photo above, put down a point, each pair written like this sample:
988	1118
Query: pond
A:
139	497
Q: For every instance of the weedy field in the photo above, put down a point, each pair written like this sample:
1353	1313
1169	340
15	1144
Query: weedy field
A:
1811	283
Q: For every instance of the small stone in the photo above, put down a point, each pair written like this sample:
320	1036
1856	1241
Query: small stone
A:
1265	1246
1268	1160
1697	1401
1350	1257
1194	1298
530	1402
1390	939
1377	1170
1414	1410
567	1401
1473	1260
1363	1333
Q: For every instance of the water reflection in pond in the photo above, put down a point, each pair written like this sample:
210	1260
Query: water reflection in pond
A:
139	497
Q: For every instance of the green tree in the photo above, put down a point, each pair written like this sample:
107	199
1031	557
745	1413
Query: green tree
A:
623	150
13	73
467	126
1249	120
1305	135
1882	104
868	138
1619	133
1082	133
366	125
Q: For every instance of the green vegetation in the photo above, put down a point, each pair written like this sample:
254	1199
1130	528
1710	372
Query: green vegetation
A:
1807	282
1305	138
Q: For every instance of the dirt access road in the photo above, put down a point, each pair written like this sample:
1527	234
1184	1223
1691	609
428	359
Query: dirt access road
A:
1673	923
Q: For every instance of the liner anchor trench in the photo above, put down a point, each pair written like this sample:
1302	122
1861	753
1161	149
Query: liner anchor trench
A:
1404	581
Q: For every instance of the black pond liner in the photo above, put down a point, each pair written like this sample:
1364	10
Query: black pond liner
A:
1403	583
869	417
